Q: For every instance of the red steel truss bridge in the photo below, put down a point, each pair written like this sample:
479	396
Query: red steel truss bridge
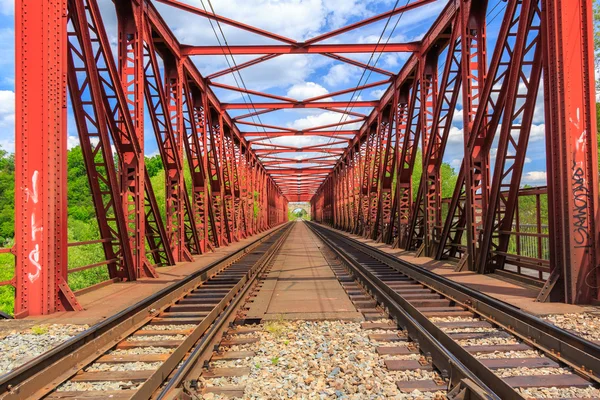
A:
142	80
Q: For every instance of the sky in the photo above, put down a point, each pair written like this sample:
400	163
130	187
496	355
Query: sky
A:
296	76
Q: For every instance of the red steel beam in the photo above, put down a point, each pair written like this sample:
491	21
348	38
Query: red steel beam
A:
411	47
359	64
260	152
350	90
265	126
367	21
279	106
252	114
227	21
241	66
292	171
300	133
254	92
571	139
408	70
41	159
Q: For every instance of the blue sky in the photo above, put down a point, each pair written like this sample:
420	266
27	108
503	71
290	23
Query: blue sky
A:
297	76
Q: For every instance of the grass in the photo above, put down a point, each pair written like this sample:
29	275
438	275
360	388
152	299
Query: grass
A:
275	360
277	327
7	293
39	330
78	257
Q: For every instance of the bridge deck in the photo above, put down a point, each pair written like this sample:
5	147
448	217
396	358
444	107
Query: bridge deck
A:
106	301
512	293
301	284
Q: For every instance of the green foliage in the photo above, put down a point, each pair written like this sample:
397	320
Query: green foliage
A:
81	207
154	165
447	174
298	213
256	204
39	330
7	191
7	293
82	224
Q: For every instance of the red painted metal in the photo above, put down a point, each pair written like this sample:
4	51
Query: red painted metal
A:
308	104
571	141
360	180
41	186
496	97
188	50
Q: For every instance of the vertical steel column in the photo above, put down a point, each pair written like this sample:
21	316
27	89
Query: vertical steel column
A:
409	129
524	83
195	146
131	24
386	173
366	151
476	158
213	121
572	162
175	192
430	180
485	124
381	130
41	149
227	167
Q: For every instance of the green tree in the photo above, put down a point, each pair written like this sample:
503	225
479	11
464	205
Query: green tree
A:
7	194
154	165
80	206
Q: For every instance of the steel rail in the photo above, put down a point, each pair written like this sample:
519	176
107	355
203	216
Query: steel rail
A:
41	375
580	354
193	361
422	331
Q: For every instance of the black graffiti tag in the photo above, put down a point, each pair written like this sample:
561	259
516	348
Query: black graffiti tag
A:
580	207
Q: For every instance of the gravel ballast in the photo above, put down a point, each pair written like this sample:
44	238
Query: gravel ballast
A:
318	360
17	348
585	325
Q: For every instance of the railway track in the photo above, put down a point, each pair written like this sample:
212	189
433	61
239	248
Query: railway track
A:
146	350
482	347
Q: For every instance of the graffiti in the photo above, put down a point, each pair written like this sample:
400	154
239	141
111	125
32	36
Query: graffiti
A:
580	206
33	193
34	255
35	228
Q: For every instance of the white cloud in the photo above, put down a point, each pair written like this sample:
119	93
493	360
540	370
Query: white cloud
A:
8	145
72	141
534	177
456	163
7	103
7	7
325	118
280	72
305	90
7	120
377	93
538	132
341	74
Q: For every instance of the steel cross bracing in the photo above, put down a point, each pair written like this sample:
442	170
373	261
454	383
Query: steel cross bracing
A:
539	42
358	180
231	195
